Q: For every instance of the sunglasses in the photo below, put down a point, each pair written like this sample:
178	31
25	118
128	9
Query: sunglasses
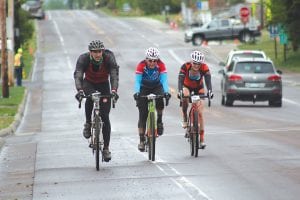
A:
152	60
96	51
195	63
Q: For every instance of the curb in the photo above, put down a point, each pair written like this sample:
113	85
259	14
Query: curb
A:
18	117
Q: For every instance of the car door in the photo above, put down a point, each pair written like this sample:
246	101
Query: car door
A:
212	30
225	29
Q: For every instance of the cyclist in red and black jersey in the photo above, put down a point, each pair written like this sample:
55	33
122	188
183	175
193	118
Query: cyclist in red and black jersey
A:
97	70
190	79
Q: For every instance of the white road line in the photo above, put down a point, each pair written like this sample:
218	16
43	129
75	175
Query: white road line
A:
290	101
181	181
240	131
62	44
176	57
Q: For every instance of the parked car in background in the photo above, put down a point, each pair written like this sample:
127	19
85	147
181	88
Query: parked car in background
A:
243	54
251	79
221	29
34	8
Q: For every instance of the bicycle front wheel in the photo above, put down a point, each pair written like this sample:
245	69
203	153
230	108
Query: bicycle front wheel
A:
195	133
97	141
191	139
151	138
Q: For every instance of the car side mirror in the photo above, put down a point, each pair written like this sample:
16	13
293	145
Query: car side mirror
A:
279	71
221	71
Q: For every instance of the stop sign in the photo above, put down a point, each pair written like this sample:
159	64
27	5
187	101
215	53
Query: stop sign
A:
244	12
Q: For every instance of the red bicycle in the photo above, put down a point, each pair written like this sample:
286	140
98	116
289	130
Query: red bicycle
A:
193	125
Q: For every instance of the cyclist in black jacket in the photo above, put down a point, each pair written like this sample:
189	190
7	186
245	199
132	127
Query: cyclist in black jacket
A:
97	70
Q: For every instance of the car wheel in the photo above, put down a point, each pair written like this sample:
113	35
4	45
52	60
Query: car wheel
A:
275	103
223	100
198	40
229	101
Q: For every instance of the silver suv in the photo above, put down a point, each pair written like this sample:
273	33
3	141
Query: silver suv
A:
243	54
251	79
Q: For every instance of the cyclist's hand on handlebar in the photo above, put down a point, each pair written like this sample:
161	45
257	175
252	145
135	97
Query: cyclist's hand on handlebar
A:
167	95
114	95
79	95
136	96
210	94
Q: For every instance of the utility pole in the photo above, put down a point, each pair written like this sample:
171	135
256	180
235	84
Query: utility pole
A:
5	91
11	39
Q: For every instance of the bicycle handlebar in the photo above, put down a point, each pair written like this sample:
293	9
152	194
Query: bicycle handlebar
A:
155	96
100	96
201	96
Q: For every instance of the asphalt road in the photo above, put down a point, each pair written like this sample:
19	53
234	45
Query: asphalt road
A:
252	149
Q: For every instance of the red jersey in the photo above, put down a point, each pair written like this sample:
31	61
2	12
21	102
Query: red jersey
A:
188	81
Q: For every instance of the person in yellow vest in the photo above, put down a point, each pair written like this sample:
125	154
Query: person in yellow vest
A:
18	63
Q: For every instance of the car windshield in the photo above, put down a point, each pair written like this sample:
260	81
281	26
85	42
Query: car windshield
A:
254	67
248	55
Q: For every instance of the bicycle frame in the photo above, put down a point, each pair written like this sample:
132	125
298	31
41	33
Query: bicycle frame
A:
151	129
97	142
193	123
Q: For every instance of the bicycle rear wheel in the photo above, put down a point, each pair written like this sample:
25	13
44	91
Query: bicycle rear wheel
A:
151	138
195	132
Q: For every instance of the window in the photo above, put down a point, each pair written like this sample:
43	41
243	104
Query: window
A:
254	67
224	23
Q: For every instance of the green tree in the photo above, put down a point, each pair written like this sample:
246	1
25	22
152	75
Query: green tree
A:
286	13
23	24
293	24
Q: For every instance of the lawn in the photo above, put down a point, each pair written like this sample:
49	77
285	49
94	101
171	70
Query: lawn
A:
265	43
9	106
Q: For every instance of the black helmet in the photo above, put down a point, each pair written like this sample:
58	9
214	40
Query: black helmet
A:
96	45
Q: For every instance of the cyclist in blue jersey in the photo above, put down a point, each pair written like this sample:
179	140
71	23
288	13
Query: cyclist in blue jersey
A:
151	77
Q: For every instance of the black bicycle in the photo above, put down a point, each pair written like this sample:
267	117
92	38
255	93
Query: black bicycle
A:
96	141
193	125
151	129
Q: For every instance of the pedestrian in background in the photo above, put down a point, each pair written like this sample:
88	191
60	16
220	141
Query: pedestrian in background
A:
19	64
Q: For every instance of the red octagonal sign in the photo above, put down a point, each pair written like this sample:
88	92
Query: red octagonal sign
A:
244	12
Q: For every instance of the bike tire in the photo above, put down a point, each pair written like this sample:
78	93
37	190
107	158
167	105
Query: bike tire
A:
196	132
191	139
97	142
152	138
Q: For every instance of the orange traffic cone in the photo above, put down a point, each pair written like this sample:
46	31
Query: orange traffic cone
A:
236	41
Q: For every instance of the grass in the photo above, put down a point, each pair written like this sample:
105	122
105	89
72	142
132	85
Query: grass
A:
292	62
28	55
9	106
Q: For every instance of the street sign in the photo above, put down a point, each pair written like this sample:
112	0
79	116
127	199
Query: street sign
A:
273	30
244	14
199	5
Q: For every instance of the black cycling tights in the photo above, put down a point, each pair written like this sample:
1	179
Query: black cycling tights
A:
104	116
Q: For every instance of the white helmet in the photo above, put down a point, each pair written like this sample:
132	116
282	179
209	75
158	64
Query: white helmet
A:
152	53
197	57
